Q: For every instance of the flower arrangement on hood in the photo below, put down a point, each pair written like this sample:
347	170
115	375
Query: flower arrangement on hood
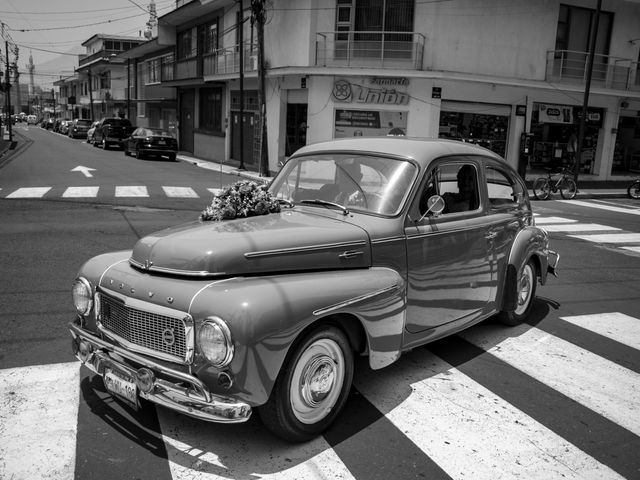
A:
242	199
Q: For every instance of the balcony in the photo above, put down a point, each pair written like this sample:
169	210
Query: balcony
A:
103	54
395	50
226	61
568	66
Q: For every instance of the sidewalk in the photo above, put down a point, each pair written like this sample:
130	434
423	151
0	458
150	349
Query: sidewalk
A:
586	189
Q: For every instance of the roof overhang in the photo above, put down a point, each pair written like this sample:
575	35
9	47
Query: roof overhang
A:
192	11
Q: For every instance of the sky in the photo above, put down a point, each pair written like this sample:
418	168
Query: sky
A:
53	31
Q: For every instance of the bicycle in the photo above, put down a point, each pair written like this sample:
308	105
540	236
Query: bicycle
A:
634	189
563	181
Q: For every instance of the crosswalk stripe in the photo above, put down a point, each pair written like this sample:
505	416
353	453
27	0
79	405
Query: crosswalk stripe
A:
215	191
611	208
81	192
578	227
612	391
38	421
616	326
610	237
552	220
449	416
29	192
181	192
131	191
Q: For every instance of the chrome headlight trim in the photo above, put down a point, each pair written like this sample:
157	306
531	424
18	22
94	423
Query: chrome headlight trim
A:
219	325
82	293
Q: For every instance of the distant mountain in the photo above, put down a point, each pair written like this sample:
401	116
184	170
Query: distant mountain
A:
48	72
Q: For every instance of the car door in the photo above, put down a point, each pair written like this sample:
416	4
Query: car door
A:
449	260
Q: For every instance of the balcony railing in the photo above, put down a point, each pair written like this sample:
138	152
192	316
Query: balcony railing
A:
370	49
609	72
103	54
227	60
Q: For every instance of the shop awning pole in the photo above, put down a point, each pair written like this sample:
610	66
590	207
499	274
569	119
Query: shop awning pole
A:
585	103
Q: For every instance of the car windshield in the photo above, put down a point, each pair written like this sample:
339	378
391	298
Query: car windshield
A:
83	122
360	182
155	132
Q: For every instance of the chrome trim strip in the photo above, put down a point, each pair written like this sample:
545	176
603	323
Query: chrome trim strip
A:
176	271
388	239
107	269
309	248
361	298
187	321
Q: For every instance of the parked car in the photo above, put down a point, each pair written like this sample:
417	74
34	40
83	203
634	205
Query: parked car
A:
361	246
32	119
91	131
78	128
151	141
64	127
111	131
47	123
56	125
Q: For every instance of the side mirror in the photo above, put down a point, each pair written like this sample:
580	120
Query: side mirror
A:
435	206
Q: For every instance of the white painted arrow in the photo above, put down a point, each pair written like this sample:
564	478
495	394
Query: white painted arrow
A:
85	170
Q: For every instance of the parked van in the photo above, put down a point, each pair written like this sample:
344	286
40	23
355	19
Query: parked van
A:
31	119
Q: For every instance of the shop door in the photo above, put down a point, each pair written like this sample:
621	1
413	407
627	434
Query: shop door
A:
247	124
187	107
296	127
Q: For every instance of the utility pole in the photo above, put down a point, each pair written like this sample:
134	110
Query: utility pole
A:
241	59
8	90
259	17
585	102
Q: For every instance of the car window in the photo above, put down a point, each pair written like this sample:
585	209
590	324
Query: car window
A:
357	181
504	192
457	184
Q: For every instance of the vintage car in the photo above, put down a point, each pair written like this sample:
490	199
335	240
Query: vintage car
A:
378	245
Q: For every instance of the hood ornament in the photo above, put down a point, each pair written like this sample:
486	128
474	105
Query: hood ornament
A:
147	264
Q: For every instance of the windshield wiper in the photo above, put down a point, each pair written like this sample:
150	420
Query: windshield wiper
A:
287	202
325	203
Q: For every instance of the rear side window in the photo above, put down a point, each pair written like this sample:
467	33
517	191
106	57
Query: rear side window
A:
504	192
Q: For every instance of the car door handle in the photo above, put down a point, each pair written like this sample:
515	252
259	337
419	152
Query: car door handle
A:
491	235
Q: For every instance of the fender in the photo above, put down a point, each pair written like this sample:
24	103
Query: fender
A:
267	314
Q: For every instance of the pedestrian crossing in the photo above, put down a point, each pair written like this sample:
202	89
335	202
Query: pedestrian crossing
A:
118	191
492	402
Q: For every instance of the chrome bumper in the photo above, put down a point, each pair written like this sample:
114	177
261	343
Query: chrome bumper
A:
552	262
194	399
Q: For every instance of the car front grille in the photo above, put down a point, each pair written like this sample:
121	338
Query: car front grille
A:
145	330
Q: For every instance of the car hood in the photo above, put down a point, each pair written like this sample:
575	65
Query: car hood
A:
287	241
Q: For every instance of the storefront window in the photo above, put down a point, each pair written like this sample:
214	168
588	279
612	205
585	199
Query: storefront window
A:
488	131
626	154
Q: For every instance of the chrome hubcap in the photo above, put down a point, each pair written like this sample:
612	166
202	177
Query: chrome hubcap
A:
317	381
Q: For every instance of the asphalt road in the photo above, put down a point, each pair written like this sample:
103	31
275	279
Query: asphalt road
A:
555	398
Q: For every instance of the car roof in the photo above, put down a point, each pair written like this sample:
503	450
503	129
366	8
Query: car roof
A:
423	150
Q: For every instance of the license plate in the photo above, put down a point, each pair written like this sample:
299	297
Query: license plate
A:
121	385
161	142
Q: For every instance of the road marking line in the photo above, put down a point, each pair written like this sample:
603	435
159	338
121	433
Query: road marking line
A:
448	416
38	423
550	220
131	191
602	207
579	227
207	453
597	383
616	326
610	237
77	192
215	191
183	192
29	192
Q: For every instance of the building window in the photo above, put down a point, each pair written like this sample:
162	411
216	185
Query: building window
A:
105	80
152	71
211	109
187	43
210	37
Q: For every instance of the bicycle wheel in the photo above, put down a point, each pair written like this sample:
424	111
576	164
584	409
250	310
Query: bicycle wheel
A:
568	188
634	189
541	188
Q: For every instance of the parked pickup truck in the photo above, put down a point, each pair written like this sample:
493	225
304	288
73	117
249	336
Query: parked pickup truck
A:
111	131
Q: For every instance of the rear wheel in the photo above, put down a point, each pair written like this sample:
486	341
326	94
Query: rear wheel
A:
526	292
312	387
634	190
541	188
568	189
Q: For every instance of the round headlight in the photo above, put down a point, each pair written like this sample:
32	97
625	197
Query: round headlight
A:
214	339
82	296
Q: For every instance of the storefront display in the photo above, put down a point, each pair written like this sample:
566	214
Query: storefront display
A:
486	130
358	123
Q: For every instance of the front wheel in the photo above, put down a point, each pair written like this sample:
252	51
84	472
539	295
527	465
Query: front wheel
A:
541	188
634	190
568	188
312	387
526	292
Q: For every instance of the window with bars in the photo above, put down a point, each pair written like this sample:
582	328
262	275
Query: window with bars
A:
187	43
210	37
211	105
